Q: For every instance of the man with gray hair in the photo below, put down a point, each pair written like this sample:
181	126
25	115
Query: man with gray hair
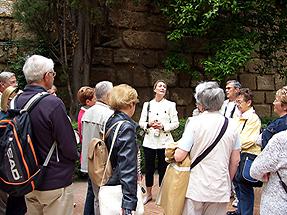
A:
7	79
93	122
54	192
208	188
229	108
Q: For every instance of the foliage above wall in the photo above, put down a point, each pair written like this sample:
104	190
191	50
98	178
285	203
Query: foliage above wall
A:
235	31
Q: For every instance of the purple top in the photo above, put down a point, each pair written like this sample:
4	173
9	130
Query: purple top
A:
50	123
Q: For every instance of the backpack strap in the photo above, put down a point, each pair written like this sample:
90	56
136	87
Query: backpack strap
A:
119	123
31	103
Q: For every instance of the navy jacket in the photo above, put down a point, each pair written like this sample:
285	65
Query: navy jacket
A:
279	124
50	123
124	158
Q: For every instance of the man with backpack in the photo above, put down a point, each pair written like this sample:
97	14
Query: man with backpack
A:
50	124
7	203
93	122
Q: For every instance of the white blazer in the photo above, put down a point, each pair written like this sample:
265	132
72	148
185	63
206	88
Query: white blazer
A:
164	112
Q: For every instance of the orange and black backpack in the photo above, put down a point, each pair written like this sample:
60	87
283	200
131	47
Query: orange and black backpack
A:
19	167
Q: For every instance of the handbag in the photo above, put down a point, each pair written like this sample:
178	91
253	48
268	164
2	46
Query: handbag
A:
141	132
110	197
243	174
110	200
174	185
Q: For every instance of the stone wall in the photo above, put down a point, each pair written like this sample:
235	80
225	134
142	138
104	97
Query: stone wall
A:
131	49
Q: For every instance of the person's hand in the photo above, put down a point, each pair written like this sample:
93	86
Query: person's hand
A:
140	177
265	177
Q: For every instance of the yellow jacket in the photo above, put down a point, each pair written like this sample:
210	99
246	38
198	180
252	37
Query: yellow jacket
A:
248	127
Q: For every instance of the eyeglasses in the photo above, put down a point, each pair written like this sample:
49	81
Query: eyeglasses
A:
53	73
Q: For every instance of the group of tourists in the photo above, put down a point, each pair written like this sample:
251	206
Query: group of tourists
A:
227	135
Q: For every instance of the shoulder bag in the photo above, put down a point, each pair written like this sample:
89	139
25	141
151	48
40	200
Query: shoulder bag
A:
110	197
173	189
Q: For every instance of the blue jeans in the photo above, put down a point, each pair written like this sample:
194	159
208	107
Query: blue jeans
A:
245	195
89	204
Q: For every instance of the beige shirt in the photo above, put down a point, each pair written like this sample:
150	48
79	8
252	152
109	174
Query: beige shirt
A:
209	181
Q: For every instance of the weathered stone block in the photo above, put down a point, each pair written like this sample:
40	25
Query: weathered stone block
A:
3	55
280	81
265	82
143	6
254	65
157	74
6	8
248	80
116	43
103	56
102	74
270	97
6	26
184	80
149	58
259	97
144	40
263	110
128	19
126	56
19	32
182	96
140	77
125	74
157	23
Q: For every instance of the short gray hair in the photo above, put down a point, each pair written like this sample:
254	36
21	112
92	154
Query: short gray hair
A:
35	68
5	76
210	96
234	83
204	85
102	89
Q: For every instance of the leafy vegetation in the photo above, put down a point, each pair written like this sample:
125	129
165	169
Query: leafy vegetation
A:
235	30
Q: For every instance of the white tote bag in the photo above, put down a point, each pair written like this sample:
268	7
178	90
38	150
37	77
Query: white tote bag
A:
110	200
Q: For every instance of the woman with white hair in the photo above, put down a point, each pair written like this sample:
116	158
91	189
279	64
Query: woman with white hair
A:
210	181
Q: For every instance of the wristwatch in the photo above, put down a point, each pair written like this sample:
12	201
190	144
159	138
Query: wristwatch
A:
127	211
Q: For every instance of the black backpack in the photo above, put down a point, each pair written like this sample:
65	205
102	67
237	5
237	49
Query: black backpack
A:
20	171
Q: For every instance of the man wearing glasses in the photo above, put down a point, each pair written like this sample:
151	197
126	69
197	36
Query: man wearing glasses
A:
54	194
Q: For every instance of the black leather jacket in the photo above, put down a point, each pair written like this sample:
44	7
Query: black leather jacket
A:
124	158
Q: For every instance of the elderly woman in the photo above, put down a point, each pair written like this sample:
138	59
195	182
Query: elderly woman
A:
158	118
279	124
248	125
269	166
123	100
210	182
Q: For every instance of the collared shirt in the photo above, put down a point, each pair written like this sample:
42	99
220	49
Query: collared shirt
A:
248	126
50	123
93	122
209	181
229	109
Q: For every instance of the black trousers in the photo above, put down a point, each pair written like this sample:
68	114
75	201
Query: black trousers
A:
150	156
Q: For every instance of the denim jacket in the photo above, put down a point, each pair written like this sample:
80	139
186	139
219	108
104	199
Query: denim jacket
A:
274	127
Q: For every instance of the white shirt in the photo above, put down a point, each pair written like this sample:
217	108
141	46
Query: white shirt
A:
229	109
209	180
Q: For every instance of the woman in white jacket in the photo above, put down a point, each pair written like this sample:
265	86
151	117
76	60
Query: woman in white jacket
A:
158	119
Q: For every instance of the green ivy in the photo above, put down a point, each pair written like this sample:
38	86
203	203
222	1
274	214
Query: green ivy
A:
232	54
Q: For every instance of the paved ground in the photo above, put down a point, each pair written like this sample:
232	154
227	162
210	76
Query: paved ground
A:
80	189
